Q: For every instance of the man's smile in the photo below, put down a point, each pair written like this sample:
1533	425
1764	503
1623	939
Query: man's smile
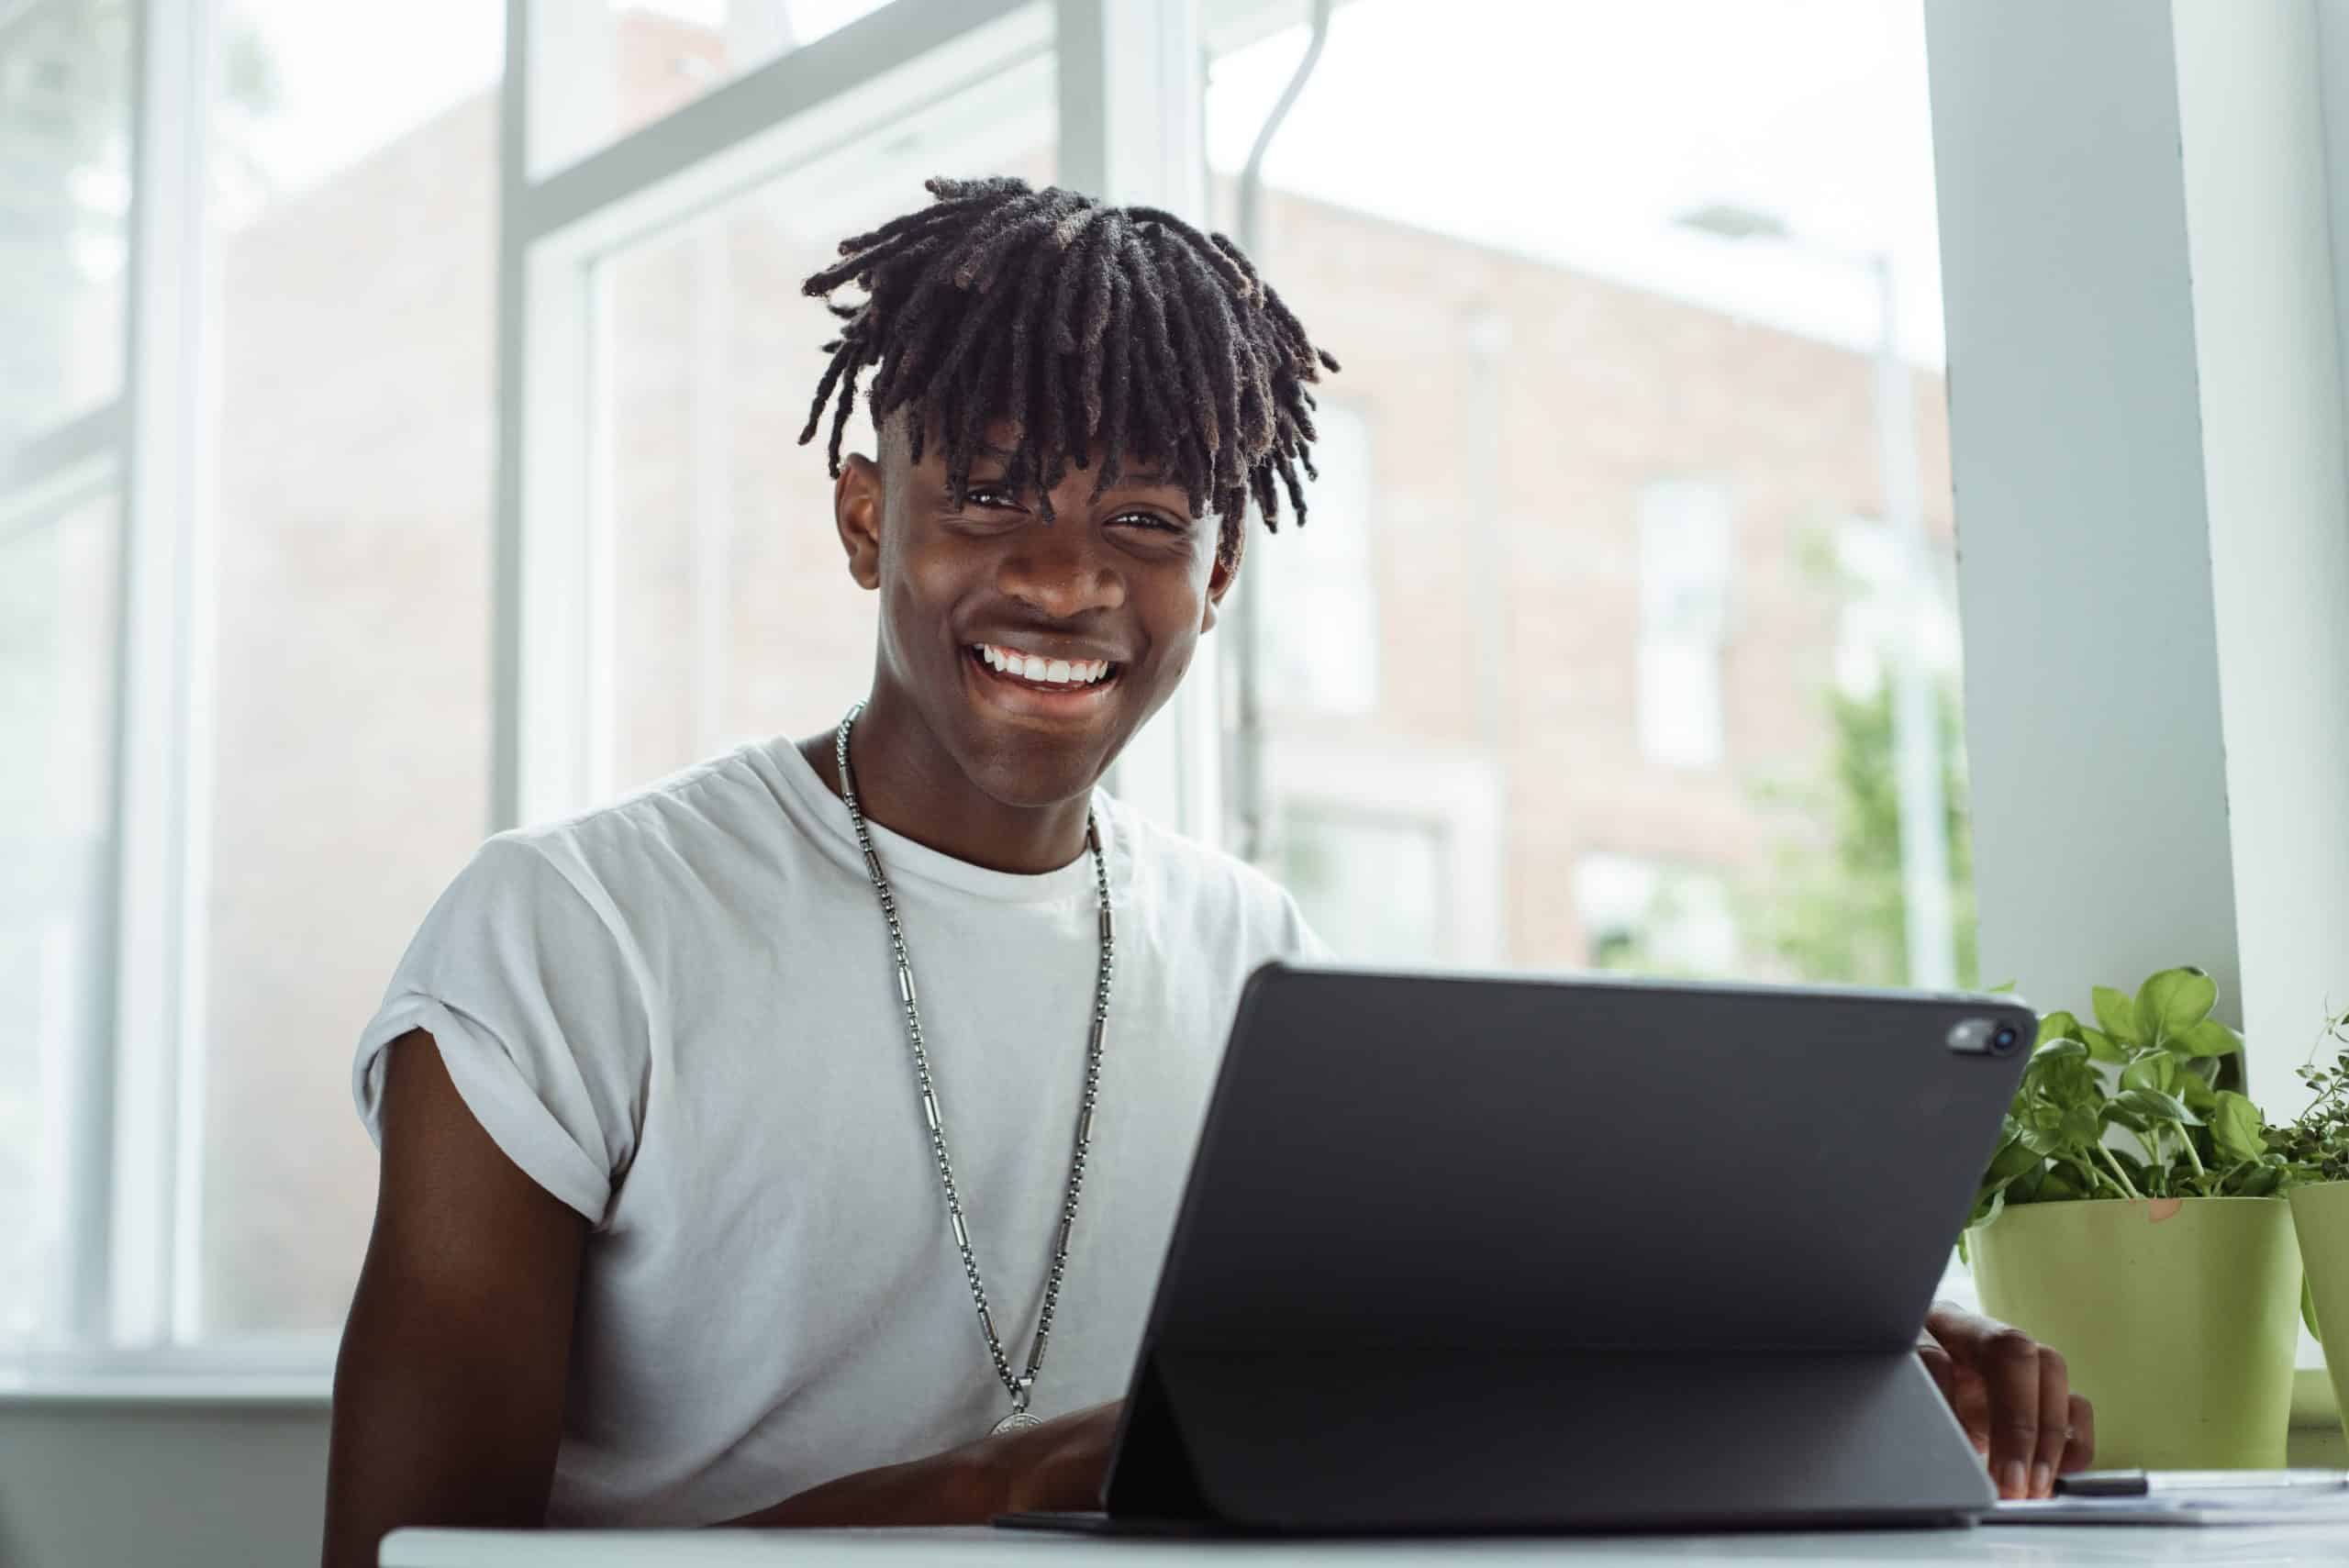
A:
1059	688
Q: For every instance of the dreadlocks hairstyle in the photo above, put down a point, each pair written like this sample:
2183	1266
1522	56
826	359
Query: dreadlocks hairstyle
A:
1078	321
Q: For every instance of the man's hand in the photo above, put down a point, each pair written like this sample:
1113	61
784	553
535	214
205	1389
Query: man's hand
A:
2012	1396
1056	1467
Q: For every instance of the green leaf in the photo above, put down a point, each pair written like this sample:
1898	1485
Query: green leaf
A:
2101	1046
2013	1158
2307	1308
2195	1091
2003	988
2154	1106
2154	1070
2235	1126
2058	1025
2207	1037
2172	1002
2118	1014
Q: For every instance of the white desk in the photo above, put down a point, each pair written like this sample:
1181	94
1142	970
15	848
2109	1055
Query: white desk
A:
2017	1548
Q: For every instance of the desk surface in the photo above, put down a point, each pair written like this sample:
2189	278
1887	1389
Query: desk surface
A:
2048	1545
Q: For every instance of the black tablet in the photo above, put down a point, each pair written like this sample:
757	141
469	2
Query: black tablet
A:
1528	1251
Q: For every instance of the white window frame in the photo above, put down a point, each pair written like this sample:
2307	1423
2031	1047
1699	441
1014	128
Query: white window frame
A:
133	1111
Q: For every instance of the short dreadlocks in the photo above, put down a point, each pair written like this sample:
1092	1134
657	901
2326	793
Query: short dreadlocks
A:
1124	324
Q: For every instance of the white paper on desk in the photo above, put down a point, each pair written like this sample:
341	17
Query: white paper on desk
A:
2218	1505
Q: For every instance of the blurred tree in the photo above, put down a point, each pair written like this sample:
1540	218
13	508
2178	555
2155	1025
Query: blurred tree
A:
1831	907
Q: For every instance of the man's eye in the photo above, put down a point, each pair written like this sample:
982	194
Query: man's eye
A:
988	495
1149	519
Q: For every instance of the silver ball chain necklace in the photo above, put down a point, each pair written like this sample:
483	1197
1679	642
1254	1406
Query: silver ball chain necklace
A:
1021	1386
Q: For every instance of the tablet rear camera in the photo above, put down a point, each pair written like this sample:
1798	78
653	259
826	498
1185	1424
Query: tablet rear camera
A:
1984	1037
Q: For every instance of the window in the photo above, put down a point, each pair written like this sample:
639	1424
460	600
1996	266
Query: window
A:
1686	557
1637	915
352	221
734	617
1372	887
1321	633
1546	680
1880	612
64	195
1605	421
601	69
58	561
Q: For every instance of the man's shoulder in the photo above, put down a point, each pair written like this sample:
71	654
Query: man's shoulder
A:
666	822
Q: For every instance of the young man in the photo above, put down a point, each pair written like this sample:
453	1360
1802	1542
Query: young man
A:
694	1206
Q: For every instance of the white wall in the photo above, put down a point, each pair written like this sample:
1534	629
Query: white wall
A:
2146	421
2253	120
90	1484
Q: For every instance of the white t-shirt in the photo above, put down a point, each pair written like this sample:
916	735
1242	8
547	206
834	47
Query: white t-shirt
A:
680	1015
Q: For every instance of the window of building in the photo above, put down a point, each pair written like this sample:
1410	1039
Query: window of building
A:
1686	544
1371	886
1648	917
1321	626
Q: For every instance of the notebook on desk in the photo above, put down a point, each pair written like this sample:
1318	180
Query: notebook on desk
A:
1508	1252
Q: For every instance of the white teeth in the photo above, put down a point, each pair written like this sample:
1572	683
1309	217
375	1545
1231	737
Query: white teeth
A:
1053	671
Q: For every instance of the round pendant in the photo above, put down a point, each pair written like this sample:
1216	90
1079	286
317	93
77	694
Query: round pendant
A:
1017	1421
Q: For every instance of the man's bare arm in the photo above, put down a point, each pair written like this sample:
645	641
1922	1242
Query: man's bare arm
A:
448	1392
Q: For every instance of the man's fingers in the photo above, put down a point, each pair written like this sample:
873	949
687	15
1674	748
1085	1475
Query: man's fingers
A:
2079	1452
2009	1362
2054	1421
1944	1372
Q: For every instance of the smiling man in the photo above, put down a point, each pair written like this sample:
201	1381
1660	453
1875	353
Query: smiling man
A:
796	1140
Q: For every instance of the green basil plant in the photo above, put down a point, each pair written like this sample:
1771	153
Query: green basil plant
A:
2130	1107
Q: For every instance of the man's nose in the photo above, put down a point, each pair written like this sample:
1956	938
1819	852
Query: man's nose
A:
1061	570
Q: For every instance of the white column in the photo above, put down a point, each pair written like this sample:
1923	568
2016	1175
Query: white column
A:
2154	530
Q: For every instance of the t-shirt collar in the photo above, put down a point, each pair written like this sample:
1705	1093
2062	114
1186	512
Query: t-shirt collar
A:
904	858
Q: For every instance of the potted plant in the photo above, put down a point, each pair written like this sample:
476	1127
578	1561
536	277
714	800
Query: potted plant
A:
2317	1144
2131	1217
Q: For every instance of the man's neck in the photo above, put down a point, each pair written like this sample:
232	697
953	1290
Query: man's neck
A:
911	786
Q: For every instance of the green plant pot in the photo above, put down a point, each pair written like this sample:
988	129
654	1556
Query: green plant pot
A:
2179	1328
2321	1215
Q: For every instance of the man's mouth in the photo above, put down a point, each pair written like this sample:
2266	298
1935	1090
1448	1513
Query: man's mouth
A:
1041	669
1030	682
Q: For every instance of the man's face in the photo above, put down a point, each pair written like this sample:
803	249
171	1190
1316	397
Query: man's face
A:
1132	579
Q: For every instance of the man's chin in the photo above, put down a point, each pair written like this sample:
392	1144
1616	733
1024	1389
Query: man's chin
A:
1029	770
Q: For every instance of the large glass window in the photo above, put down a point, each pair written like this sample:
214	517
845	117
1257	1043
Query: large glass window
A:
58	622
733	614
64	199
353	178
601	69
1617	400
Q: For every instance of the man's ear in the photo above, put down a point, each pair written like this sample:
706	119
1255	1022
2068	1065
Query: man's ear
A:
858	499
1221	578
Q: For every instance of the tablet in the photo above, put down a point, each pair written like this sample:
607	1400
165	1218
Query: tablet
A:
1467	1251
